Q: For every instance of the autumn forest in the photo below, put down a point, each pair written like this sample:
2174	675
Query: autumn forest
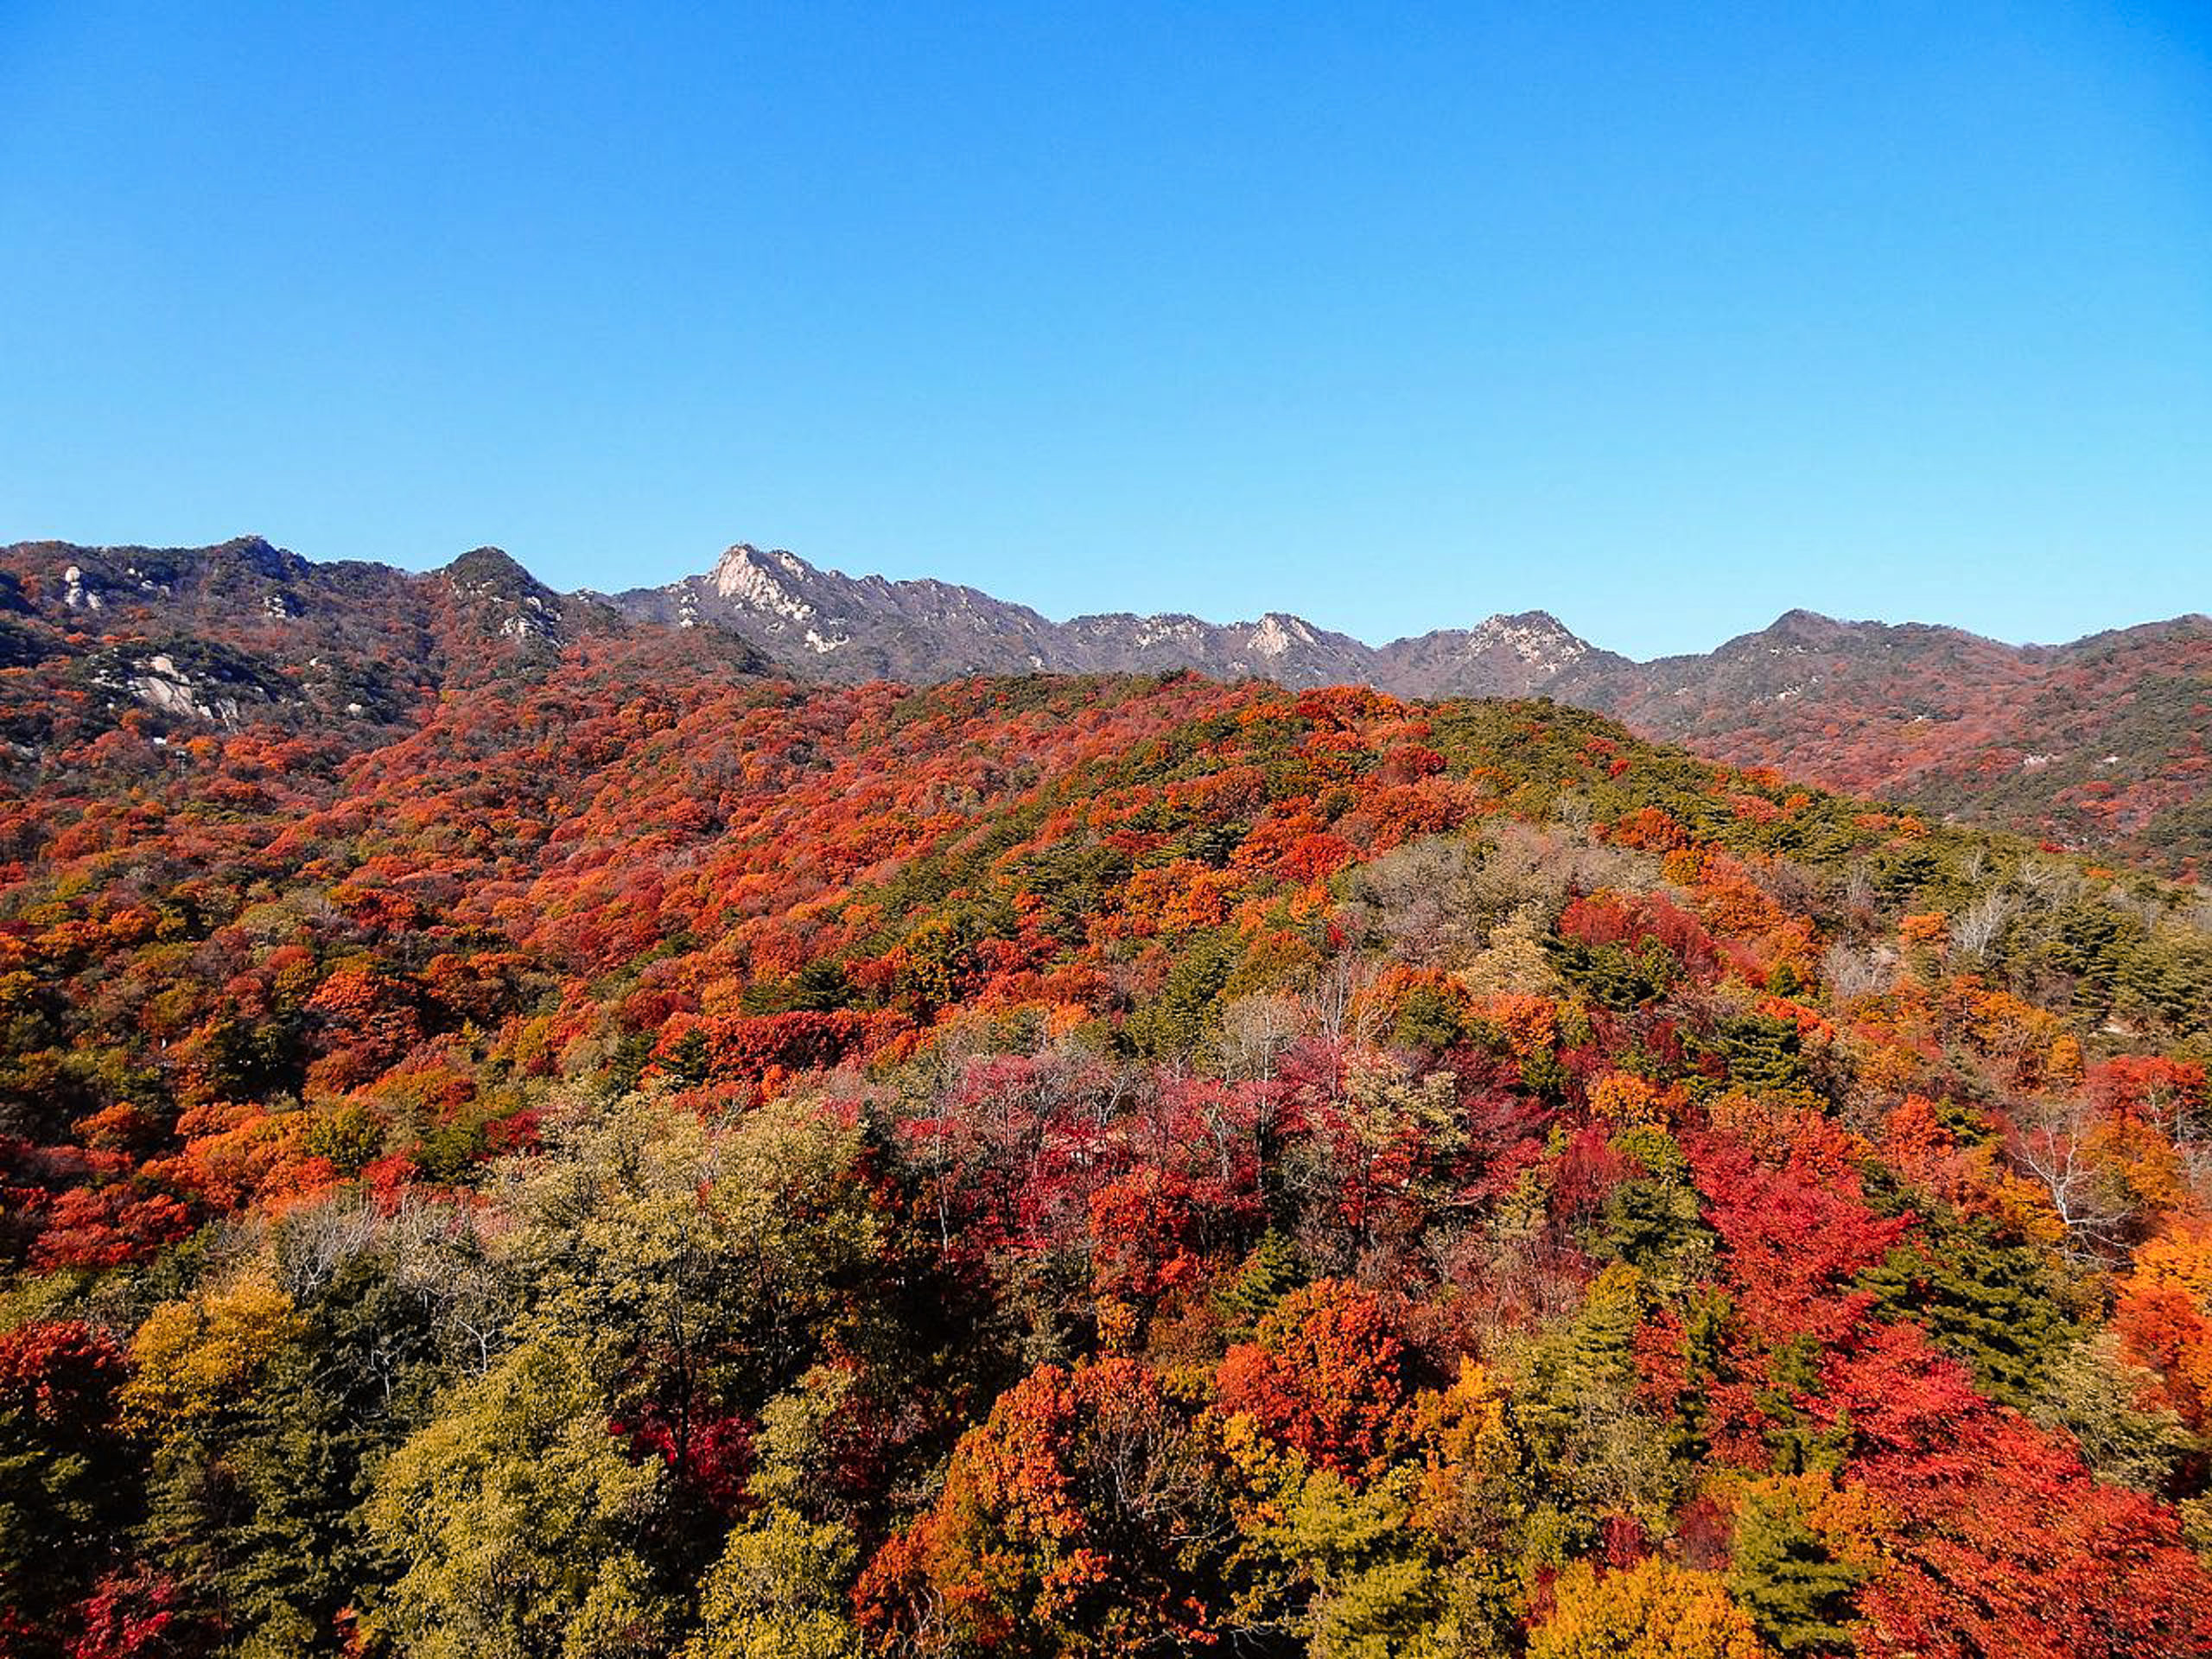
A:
528	1132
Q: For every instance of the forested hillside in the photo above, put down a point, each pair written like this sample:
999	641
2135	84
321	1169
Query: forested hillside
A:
598	1151
2097	745
2103	743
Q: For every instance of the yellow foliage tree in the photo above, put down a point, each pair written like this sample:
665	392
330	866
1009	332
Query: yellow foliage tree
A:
1655	1610
777	1593
191	1357
515	1517
1624	1098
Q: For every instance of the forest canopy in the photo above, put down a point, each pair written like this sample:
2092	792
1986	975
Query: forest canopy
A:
612	1155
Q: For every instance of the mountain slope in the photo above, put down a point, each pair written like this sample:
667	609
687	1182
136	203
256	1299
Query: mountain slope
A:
1503	655
635	1159
243	635
2102	741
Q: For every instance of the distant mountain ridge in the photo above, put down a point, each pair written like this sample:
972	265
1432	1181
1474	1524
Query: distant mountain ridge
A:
246	634
824	624
2103	739
2106	739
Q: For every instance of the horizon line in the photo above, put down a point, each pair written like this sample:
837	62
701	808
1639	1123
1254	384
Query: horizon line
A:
591	592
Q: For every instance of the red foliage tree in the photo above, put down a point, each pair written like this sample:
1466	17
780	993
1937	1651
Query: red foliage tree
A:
1325	1374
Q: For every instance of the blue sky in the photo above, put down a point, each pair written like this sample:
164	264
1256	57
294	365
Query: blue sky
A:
1664	318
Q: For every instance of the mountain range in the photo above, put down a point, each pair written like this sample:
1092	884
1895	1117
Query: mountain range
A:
823	624
2103	740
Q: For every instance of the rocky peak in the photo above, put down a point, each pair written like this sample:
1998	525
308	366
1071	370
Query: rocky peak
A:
1537	638
1502	656
258	554
764	581
821	622
492	572
1809	628
514	602
1276	634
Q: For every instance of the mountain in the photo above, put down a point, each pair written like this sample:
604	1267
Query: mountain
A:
822	624
243	633
2100	742
1505	656
626	1158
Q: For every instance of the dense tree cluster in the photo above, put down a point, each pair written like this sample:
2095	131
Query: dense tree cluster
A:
629	1158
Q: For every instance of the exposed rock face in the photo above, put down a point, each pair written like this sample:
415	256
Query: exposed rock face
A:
166	688
822	624
1505	656
812	623
105	590
245	634
510	602
75	595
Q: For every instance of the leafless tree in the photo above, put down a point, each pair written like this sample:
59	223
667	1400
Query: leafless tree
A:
313	1246
440	1256
2176	1115
1788	883
1858	893
2047	883
1853	971
1334	1008
2092	1204
1415	900
1983	922
1255	1032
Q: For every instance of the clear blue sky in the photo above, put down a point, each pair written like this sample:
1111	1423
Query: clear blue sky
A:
1665	318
